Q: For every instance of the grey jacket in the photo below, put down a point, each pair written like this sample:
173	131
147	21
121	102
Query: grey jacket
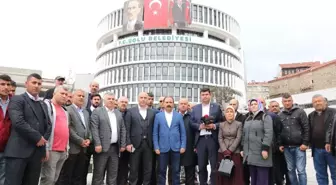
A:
101	128
257	137
52	116
229	136
78	132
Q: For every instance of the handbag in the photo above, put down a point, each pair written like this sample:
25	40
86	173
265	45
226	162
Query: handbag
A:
226	167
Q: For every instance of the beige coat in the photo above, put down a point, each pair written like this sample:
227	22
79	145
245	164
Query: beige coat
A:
229	136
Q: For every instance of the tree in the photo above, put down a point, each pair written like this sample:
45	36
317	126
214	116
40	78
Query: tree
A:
222	95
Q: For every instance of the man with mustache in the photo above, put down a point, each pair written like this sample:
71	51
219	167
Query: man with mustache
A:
171	144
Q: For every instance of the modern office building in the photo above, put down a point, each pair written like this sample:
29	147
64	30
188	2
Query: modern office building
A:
169	60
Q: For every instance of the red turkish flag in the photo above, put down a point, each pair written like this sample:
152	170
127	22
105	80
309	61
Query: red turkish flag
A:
155	14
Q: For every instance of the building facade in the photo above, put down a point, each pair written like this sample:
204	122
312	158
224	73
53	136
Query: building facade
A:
287	69
257	90
173	61
316	78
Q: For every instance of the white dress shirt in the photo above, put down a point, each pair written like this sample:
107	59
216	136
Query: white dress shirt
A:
113	123
169	118
143	112
81	114
92	108
205	111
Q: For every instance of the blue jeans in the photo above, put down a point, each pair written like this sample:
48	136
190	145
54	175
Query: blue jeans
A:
174	159
323	159
2	169
296	161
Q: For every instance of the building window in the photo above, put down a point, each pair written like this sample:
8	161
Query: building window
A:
165	71
210	16
200	16
177	72
158	71
194	14
205	15
171	72
152	73
146	72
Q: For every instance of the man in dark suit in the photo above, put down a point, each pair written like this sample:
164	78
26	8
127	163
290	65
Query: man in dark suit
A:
133	20
94	88
80	138
109	135
26	147
59	80
179	14
188	159
206	139
95	102
139	126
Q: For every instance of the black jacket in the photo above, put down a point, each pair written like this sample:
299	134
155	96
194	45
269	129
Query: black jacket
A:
189	157
328	119
331	135
49	94
239	117
294	130
276	130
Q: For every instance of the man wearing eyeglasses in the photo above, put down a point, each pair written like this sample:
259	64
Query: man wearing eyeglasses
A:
161	107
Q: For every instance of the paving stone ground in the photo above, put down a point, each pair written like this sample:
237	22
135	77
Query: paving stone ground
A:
310	171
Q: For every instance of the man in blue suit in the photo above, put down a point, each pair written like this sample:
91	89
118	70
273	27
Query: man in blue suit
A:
169	138
206	136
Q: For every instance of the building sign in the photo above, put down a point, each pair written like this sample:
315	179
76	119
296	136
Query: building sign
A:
155	38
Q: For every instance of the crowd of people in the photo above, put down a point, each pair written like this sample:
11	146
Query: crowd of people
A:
51	140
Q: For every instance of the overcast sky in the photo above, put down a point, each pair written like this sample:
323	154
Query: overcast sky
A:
56	36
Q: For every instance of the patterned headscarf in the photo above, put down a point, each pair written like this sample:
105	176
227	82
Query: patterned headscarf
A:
260	105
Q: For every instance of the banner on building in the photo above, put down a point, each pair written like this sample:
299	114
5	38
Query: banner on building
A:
156	14
179	13
133	14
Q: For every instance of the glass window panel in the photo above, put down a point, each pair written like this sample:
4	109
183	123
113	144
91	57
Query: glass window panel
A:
129	73
178	51
195	53
158	72
183	73
177	93
171	51
190	94
135	73
206	77
215	17
164	91
147	52
171	91
134	93
177	72
153	51
171	72
194	14
129	92
141	50
152	72
159	53
206	54
211	55
210	16
146	73
165	50
130	54
158	92
135	54
126	53
189	52
124	74
200	54
189	73
195	94
183	91
165	73
184	52
215	76
201	73
195	73
205	15
200	16
140	76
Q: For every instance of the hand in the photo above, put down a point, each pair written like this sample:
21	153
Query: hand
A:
195	150
264	154
282	148
87	142
211	126
46	158
242	153
42	142
129	148
327	147
227	153
303	147
122	149
182	150
98	149
202	126
157	152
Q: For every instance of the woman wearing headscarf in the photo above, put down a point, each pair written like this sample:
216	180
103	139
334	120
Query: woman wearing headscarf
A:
229	138
256	141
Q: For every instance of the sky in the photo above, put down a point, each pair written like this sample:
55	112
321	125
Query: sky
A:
59	36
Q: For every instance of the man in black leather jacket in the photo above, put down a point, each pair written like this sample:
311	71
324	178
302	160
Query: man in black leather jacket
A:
293	139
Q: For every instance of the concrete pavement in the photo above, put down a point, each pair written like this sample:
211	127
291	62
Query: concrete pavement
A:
310	171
